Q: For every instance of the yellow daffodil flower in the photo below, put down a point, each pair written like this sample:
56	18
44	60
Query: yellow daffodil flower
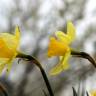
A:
93	93
59	46
8	48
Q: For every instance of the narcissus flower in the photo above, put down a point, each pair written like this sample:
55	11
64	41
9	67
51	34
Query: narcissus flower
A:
60	46
8	48
93	93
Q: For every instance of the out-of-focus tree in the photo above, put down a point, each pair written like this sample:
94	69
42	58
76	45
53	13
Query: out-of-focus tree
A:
38	19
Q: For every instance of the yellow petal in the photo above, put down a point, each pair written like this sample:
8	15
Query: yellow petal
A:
63	65
10	42
17	33
8	48
10	63
2	67
4	50
57	48
93	93
69	37
3	62
63	37
71	31
9	66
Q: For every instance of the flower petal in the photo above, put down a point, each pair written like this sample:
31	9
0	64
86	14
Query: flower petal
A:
8	48
4	50
9	66
63	65
63	37
71	31
17	34
10	42
3	62
93	93
69	37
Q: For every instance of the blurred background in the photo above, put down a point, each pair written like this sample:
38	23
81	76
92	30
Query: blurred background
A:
38	20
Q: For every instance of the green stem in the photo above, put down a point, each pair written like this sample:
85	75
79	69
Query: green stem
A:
30	58
84	55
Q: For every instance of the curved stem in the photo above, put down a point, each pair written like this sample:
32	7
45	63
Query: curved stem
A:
30	58
84	55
